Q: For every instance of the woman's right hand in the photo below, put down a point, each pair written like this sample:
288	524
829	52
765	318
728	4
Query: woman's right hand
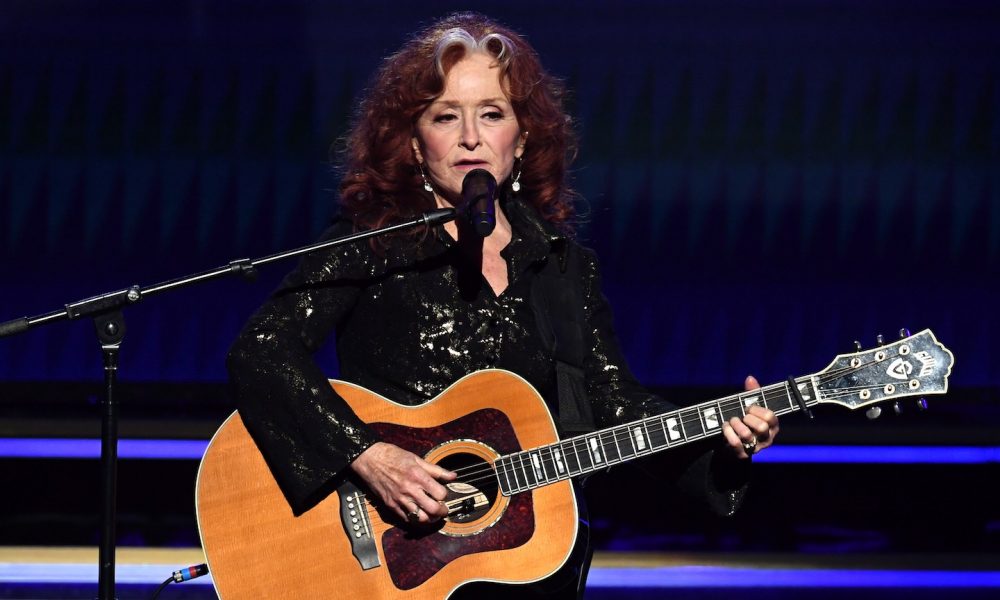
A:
405	482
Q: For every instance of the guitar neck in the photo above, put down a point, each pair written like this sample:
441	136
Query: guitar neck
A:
600	450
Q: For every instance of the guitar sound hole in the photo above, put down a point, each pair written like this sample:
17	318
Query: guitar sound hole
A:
474	492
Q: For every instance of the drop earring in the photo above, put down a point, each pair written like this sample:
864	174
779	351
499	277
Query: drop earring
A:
515	185
427	183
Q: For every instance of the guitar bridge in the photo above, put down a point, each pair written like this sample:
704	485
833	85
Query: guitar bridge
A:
358	525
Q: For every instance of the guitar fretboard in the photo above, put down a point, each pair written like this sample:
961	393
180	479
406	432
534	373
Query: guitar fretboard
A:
565	459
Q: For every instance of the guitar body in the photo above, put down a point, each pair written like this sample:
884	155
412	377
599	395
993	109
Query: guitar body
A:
256	547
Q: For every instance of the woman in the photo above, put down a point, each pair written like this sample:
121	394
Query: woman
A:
413	314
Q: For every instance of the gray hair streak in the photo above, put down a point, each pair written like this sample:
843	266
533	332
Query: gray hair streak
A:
495	44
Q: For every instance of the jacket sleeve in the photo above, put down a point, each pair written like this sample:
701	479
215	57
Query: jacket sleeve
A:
704	471
307	434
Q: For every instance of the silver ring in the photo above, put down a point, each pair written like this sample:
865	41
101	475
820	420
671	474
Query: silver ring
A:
750	447
414	515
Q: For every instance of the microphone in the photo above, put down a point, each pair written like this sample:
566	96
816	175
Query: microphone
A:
478	190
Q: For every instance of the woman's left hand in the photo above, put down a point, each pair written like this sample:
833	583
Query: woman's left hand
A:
753	432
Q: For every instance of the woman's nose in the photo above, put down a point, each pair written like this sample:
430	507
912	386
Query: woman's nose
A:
470	135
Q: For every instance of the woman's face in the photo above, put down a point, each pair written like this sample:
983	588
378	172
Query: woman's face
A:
470	126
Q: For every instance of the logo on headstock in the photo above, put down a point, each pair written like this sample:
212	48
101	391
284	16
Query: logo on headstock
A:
927	362
899	369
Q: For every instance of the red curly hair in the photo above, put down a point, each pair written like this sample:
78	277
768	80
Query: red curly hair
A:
381	181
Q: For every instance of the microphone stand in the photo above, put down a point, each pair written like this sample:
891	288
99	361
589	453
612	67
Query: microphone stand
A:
106	310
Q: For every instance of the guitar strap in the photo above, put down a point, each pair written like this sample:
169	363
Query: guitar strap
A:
557	300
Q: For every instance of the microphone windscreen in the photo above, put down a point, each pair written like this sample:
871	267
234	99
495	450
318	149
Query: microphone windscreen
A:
478	191
477	182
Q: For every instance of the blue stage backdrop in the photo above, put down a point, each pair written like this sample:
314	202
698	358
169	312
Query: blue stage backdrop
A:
764	182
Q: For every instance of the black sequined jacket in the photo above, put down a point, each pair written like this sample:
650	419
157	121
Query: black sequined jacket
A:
409	322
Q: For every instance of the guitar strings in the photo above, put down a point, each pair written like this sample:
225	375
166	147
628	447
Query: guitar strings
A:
688	417
612	439
378	526
485	472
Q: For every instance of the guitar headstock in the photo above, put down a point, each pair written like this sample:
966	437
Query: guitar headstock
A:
916	365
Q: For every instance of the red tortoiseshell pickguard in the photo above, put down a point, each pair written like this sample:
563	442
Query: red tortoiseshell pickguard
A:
414	557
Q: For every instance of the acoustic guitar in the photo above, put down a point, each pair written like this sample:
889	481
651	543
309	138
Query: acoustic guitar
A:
513	515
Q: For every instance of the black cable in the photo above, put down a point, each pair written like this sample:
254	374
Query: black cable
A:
160	589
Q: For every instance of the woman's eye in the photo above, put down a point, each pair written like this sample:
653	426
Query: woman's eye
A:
444	118
493	115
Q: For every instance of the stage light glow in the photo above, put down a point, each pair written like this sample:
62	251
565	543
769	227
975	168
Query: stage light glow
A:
725	577
600	577
194	449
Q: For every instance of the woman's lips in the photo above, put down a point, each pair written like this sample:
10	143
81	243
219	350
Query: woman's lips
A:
468	165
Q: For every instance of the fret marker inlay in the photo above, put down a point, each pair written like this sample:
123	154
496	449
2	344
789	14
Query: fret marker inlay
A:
538	467
594	451
640	440
672	429
711	418
559	461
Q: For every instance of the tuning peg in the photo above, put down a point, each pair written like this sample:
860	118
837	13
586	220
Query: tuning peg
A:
880	339
857	346
904	333
922	404
897	407
873	413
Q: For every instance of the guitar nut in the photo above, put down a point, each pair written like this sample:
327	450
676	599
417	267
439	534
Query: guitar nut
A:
914	384
889	389
865	394
904	349
880	356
